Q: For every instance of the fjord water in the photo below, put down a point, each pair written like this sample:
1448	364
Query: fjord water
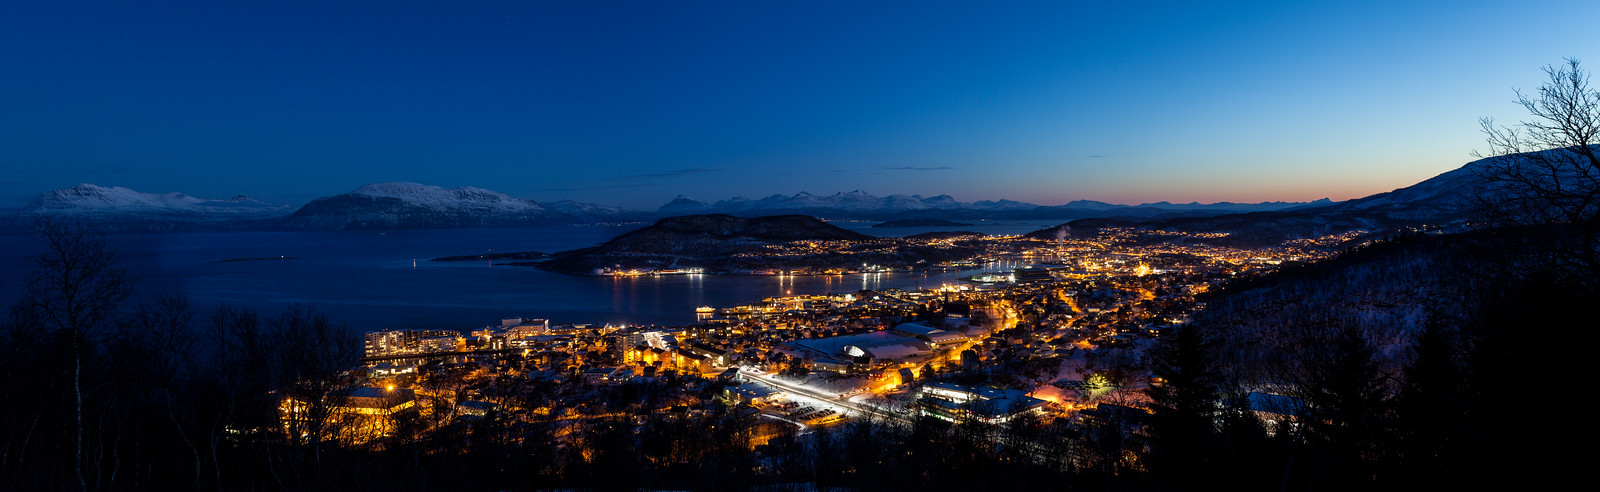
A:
378	280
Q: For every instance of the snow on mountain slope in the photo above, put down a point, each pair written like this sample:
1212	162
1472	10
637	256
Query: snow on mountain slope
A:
88	199
588	210
118	209
1453	193
437	198
418	206
1008	205
1452	190
1443	200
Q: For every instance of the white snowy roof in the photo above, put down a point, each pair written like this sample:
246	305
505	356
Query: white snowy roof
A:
896	351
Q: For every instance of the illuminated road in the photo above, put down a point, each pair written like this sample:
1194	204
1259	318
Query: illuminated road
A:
802	425
831	399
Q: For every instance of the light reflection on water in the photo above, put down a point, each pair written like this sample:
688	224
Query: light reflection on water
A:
383	280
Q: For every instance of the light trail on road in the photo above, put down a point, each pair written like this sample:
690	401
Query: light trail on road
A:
826	398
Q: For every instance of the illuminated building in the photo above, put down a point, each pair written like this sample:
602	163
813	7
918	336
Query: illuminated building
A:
601	375
376	401
830	365
956	403
752	393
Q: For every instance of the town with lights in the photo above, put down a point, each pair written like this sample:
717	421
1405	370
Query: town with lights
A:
1047	330
796	246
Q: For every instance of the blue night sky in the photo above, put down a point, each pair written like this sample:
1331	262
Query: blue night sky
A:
631	104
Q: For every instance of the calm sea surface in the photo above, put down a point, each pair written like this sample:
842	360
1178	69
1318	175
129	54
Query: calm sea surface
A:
383	280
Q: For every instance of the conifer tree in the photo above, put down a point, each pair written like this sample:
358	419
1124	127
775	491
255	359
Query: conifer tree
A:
1186	404
1430	409
1350	411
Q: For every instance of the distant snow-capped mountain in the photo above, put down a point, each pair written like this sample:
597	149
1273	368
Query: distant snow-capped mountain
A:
862	205
412	205
91	199
854	204
592	211
683	205
465	198
115	208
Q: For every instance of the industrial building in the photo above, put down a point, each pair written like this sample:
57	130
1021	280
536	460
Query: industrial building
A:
956	403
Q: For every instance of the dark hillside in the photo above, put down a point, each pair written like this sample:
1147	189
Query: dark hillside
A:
1388	290
724	242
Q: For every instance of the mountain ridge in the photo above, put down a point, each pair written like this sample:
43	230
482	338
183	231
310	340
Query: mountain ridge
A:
859	204
405	205
118	209
1444	201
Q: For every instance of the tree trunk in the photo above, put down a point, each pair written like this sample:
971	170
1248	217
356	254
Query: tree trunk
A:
77	392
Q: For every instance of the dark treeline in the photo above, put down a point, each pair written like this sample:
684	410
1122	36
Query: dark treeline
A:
1448	394
116	390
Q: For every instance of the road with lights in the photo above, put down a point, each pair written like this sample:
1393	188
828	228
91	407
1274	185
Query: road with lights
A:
825	399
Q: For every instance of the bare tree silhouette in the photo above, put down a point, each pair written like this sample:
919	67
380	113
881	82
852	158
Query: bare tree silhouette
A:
1545	172
76	289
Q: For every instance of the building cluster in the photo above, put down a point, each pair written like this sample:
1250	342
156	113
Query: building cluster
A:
1043	316
656	350
408	342
510	334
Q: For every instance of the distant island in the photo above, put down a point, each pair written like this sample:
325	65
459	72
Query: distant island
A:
724	244
936	235
921	223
